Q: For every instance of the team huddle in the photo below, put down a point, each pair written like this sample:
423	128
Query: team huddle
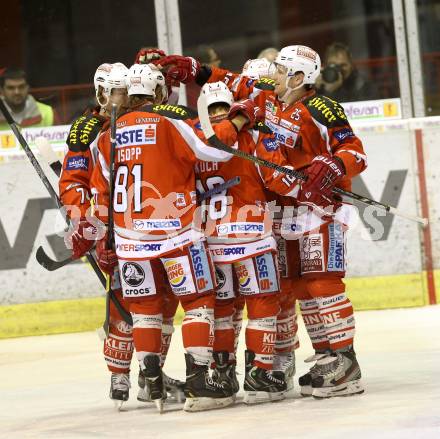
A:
218	228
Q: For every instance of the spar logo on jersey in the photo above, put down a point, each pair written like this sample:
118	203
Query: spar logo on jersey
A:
133	274
175	272
200	266
77	163
242	275
271	144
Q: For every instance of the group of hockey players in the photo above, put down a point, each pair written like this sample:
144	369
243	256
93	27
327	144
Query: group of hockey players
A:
258	238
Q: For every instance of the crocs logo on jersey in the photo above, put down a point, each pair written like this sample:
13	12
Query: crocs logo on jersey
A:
242	275
220	277
175	272
133	274
77	163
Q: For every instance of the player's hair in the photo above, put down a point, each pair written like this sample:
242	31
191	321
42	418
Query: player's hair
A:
12	73
335	48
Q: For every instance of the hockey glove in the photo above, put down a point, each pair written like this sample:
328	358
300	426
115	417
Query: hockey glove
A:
324	173
81	238
146	56
107	258
248	109
180	68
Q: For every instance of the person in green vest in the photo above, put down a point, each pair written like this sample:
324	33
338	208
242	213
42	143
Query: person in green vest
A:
24	108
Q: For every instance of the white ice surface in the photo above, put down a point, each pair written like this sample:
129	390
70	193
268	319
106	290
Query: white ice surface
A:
57	387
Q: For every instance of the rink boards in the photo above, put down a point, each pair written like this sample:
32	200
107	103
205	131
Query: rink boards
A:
387	256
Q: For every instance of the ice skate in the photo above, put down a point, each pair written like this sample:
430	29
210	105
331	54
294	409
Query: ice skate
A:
154	381
201	391
261	385
119	388
305	381
339	374
284	367
143	392
224	372
174	388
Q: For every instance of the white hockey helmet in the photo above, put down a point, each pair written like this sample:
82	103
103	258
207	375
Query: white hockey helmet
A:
300	59
110	76
217	92
143	79
258	68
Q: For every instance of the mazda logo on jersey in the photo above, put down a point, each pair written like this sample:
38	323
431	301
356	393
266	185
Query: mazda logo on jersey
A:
133	274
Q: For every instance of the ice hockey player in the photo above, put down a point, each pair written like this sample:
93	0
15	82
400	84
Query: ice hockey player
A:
153	231
239	234
262	70
74	189
317	139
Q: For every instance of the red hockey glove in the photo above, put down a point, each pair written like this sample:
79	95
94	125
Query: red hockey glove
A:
146	56
249	110
323	175
180	68
81	238
107	258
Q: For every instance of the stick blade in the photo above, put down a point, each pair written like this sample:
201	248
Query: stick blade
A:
48	263
46	151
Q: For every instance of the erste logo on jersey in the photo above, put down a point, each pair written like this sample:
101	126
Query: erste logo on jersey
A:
271	143
175	272
267	273
201	269
136	135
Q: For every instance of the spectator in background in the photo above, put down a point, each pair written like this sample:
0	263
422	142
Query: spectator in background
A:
207	55
340	80
25	110
270	53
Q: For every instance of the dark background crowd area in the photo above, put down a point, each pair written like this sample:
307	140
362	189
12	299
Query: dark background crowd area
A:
60	43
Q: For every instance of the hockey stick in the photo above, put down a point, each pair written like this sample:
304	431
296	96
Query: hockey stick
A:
215	142
218	189
51	191
110	226
51	265
46	151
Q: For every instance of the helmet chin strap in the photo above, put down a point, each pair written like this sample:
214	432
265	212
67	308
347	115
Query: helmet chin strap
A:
289	90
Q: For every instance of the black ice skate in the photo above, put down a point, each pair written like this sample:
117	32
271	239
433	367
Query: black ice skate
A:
339	374
174	389
224	372
261	385
201	391
119	388
154	380
305	381
284	368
